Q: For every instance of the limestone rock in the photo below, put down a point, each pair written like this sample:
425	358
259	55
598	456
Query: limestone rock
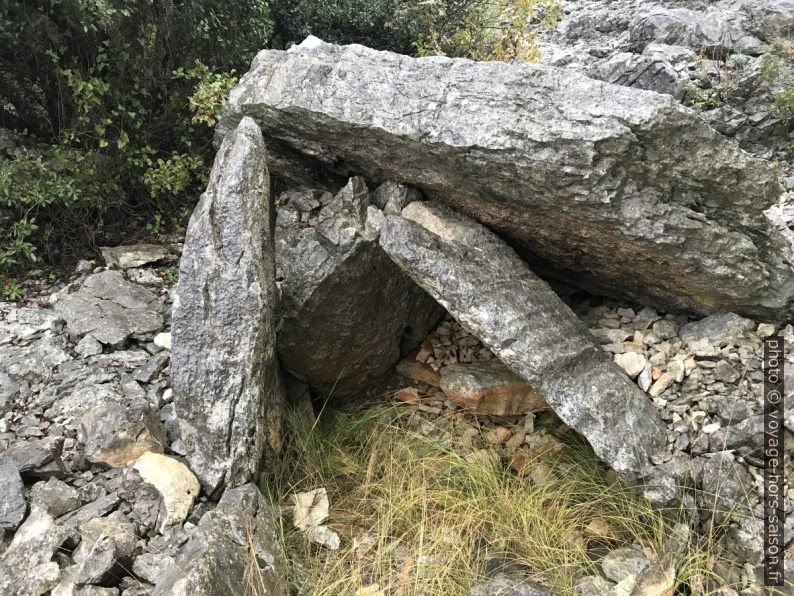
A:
26	566
348	313
12	503
594	182
55	496
105	543
174	481
492	293
225	375
632	362
508	584
240	532
117	434
716	330
136	255
489	388
625	562
110	308
39	458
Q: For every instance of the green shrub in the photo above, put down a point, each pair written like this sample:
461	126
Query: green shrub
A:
478	29
783	104
122	95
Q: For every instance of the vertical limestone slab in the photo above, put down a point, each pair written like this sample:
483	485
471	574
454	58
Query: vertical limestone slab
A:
227	387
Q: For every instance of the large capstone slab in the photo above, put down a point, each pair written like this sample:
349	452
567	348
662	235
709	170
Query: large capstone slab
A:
483	283
224	370
622	191
347	312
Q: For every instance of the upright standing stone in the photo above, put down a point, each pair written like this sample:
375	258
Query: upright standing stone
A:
491	291
227	386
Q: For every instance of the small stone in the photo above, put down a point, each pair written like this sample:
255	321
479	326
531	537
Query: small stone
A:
710	428
661	384
88	346
163	340
324	536
419	372
177	485
117	435
765	330
149	371
110	308
152	566
623	563
26	566
55	496
726	373
632	362
39	458
12	503
310	508
665	329
127	257
645	379
489	388
408	395
104	543
717	330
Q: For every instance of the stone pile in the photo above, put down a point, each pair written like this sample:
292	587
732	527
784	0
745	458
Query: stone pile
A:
96	494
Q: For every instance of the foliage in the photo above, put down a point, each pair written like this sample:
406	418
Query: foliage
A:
418	516
11	290
488	30
121	97
477	29
705	99
783	103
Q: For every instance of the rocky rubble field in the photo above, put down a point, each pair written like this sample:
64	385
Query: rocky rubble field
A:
97	499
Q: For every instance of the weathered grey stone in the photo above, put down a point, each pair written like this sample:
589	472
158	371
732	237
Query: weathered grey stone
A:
493	294
134	255
489	388
149	371
175	483
727	487
769	19
508	584
347	311
593	585
55	496
392	197
152	566
105	543
595	182
227	388
110	308
716	33
88	346
39	458
624	562
239	532
716	330
642	72
26	566
12	503
117	434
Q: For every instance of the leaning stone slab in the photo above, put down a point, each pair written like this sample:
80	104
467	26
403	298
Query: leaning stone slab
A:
618	190
110	308
493	294
234	550
224	370
347	312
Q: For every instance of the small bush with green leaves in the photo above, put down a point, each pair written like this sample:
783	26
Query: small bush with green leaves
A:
123	94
